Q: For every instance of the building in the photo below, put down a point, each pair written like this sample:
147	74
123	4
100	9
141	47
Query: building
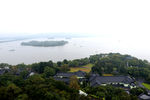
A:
31	73
65	80
82	93
120	81
4	70
144	97
65	77
79	74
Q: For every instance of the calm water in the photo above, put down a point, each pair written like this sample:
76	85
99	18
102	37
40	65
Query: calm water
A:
76	48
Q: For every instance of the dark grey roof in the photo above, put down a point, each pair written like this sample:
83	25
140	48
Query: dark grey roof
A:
66	80
110	79
144	97
65	77
117	79
95	83
64	74
132	84
148	93
79	74
93	76
2	72
82	80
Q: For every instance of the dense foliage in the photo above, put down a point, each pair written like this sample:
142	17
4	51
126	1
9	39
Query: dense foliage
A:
17	84
109	93
116	63
34	88
37	87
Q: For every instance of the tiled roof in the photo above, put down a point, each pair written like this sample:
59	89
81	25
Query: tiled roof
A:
93	76
65	77
144	97
64	74
66	80
2	72
78	74
110	79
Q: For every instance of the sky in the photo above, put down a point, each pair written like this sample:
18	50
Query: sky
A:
130	18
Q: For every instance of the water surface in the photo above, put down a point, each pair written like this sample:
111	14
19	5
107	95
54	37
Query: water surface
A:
14	53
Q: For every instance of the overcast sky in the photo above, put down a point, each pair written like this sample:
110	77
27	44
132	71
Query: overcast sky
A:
112	17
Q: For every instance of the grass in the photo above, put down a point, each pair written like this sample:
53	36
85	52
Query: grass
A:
85	68
107	74
146	85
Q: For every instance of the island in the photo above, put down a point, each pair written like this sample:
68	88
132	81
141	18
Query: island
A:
12	50
44	43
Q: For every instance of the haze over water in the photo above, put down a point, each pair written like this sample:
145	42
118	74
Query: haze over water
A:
76	48
123	26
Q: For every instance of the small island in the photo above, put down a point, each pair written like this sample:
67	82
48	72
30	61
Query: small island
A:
12	50
44	43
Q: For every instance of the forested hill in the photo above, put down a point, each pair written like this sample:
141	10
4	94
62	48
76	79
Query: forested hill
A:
116	63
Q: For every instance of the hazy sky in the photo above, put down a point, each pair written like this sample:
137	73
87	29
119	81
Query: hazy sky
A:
114	17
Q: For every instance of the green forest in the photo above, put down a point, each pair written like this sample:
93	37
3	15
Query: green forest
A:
17	84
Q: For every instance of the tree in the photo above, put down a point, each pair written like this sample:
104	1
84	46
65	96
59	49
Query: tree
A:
24	74
137	91
13	91
64	68
42	66
97	68
74	83
50	64
74	63
59	64
148	79
36	67
22	97
21	65
48	71
65	61
3	93
100	94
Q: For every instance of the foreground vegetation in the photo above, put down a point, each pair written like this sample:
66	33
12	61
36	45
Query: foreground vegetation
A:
35	87
17	84
38	87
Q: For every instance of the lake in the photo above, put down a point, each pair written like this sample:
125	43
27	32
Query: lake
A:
14	53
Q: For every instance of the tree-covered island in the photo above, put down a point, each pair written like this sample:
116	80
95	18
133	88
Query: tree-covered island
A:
44	43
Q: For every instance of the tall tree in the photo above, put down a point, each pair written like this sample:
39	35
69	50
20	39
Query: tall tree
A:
48	71
64	68
74	83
